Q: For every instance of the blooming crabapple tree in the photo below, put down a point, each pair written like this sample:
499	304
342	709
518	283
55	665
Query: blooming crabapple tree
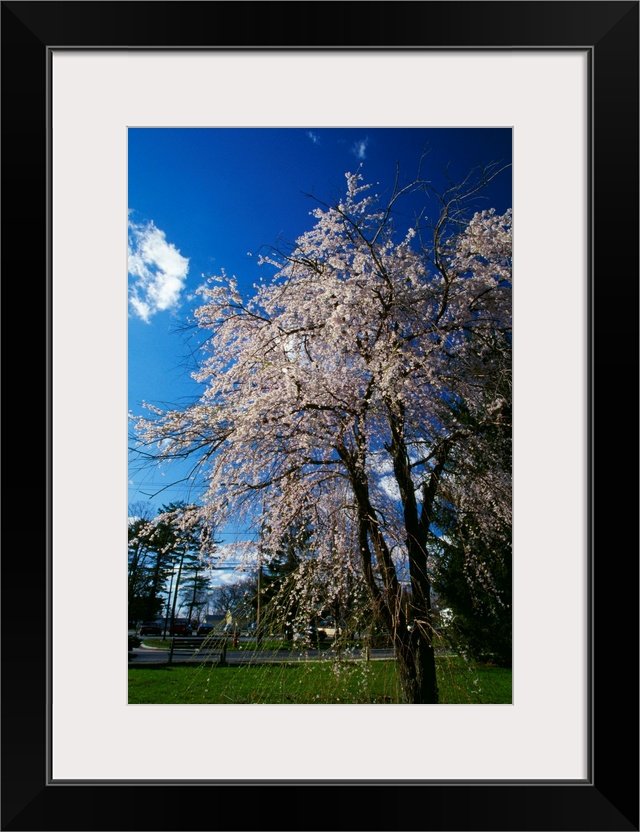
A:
357	392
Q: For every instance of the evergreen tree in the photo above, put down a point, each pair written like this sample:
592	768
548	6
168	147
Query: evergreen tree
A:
149	567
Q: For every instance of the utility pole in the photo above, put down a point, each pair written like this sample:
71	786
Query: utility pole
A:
166	617
259	609
175	594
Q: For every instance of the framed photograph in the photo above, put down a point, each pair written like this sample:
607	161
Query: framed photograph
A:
562	79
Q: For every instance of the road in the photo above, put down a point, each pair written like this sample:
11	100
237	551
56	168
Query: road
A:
142	655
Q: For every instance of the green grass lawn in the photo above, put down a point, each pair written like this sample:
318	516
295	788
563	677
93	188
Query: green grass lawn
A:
298	683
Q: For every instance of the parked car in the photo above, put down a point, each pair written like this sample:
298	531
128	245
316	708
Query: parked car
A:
310	636
149	628
180	627
204	629
328	627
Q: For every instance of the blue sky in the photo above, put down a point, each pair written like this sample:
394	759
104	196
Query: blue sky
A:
205	199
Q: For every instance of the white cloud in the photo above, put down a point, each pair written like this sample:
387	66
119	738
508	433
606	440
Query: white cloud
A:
313	136
389	486
222	577
359	149
157	271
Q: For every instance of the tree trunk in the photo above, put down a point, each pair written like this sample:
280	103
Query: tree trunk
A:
416	664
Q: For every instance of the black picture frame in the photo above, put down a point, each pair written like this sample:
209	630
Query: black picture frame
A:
608	799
